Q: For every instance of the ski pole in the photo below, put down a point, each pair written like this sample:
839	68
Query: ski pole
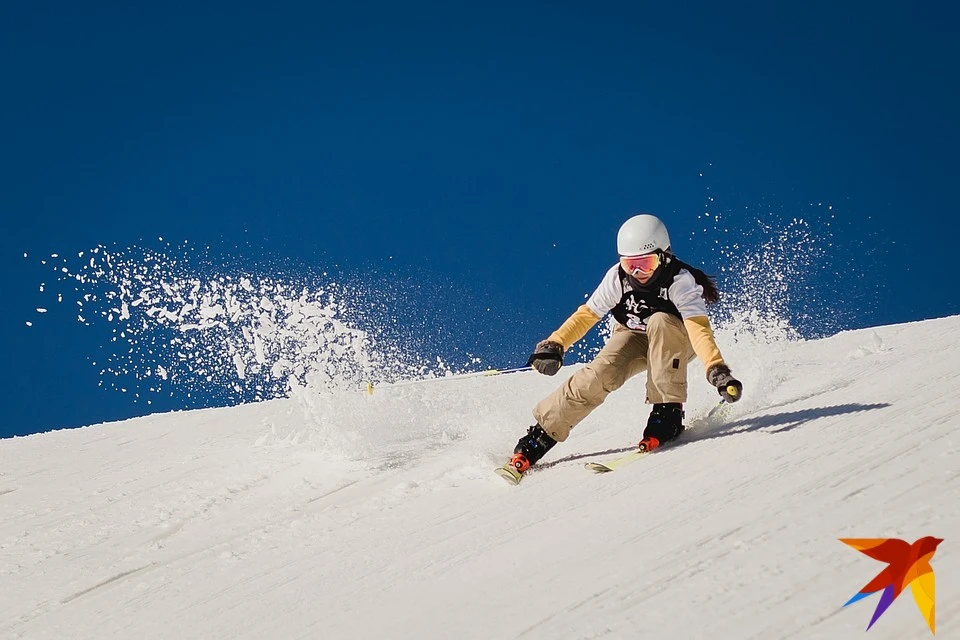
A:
733	392
715	409
461	376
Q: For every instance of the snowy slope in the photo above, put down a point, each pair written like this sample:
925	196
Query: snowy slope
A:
347	515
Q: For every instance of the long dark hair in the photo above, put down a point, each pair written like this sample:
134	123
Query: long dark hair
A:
710	292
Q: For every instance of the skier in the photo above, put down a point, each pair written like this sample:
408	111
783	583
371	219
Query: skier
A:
658	304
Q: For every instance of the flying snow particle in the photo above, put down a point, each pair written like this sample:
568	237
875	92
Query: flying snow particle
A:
228	335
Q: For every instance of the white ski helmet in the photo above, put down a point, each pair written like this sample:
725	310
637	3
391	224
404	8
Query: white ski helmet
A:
640	234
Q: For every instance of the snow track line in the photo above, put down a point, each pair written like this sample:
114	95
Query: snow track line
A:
330	493
119	576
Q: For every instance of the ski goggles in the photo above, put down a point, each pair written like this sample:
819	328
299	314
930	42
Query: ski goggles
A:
640	265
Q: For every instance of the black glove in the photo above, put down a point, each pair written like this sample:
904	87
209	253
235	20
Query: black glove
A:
729	387
547	358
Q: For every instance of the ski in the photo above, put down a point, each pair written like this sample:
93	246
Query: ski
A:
615	463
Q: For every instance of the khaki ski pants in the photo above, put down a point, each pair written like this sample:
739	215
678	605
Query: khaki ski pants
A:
663	351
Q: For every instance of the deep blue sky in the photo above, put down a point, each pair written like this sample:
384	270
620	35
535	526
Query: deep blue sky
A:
495	147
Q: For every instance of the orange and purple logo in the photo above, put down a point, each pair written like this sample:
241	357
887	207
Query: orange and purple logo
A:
908	565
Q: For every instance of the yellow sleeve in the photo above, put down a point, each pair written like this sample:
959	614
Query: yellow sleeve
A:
575	327
701	337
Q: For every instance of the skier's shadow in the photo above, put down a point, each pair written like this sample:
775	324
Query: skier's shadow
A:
716	428
778	422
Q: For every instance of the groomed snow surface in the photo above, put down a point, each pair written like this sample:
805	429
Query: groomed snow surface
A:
354	516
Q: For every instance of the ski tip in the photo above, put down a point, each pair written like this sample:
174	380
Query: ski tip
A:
597	467
509	474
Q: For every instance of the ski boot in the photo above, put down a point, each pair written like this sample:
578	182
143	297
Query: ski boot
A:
664	424
530	448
